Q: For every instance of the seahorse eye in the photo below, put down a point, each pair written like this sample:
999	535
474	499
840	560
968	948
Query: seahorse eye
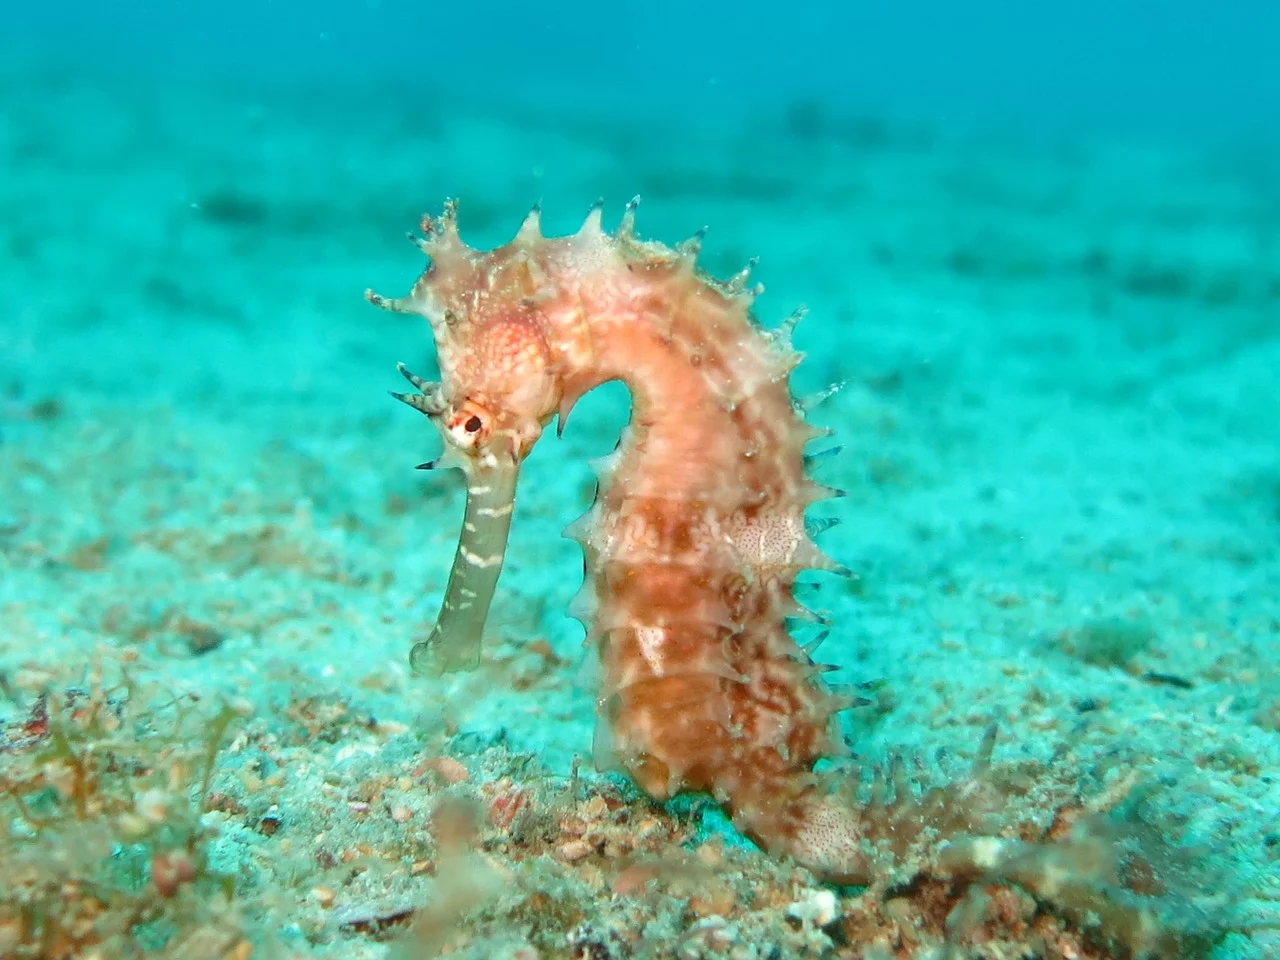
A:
469	425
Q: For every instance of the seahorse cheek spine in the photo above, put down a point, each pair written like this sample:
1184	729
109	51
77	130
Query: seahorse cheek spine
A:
697	532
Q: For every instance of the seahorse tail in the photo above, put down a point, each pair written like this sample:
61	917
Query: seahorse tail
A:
792	814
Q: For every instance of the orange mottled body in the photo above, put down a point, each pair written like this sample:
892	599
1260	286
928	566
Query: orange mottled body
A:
697	532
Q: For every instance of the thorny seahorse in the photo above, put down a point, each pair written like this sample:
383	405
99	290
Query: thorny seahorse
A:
698	529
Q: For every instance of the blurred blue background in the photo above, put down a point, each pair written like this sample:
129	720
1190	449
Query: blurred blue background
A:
1040	243
1176	67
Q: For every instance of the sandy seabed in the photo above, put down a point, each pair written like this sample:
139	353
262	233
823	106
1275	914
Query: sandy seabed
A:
1060	447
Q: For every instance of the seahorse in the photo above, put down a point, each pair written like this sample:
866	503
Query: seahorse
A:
697	532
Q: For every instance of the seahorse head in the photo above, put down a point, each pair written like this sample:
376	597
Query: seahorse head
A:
498	389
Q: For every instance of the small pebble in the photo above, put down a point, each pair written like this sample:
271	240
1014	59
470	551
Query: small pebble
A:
153	806
820	907
269	825
324	896
401	814
572	851
448	769
716	932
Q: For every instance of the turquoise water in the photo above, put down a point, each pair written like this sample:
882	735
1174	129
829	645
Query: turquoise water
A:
1180	67
1040	247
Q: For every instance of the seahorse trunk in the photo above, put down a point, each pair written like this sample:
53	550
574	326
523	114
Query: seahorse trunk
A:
692	547
454	643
